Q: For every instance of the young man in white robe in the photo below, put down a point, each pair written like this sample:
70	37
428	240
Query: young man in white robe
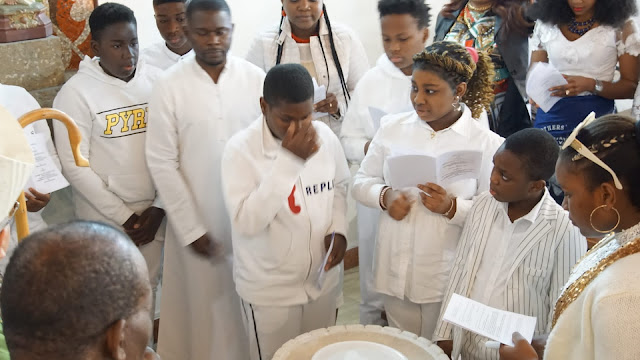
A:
19	102
518	245
385	89
196	107
170	18
285	183
108	99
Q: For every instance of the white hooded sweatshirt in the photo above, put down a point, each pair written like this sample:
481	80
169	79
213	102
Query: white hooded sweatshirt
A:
112	117
384	87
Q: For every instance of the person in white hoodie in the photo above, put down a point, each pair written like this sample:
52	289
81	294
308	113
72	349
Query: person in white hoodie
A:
170	18
285	182
332	54
418	234
196	107
385	89
108	99
19	102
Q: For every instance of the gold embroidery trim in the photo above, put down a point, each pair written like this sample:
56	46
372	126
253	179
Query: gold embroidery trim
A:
577	287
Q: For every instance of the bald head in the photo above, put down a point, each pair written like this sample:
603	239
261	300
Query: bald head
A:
66	286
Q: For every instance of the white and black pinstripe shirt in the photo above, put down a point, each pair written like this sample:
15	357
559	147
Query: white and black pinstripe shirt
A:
538	267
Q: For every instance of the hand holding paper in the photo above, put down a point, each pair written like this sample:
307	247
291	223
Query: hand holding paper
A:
319	94
542	77
407	171
498	325
46	177
322	272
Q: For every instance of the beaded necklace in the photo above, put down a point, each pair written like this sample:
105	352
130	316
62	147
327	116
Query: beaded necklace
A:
581	28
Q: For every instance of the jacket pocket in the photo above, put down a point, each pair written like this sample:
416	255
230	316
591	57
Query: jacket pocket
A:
132	188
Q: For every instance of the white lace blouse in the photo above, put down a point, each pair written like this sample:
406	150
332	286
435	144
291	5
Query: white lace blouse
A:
594	55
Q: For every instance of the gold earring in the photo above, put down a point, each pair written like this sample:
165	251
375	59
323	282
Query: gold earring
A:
607	231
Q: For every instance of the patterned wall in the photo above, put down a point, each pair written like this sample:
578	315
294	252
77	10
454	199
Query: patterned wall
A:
71	23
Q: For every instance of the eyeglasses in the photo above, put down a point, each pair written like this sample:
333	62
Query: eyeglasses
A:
584	151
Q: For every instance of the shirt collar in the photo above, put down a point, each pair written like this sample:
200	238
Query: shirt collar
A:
463	126
532	215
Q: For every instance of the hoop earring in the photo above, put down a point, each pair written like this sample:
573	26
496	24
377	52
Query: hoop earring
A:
456	104
607	231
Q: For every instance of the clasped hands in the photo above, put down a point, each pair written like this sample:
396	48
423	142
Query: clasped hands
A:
142	229
433	197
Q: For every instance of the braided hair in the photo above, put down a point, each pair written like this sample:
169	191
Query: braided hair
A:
453	64
614	139
334	53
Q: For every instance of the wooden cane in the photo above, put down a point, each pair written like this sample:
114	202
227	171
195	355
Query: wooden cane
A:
22	223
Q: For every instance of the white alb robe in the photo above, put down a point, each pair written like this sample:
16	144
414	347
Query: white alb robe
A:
193	118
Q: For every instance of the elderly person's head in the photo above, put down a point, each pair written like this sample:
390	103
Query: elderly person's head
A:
77	291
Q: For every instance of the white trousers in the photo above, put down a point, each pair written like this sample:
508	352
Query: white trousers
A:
153	255
270	327
420	319
371	302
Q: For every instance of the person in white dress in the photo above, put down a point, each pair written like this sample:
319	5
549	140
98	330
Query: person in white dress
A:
585	41
596	316
170	19
382	90
19	102
285	182
195	109
332	53
418	233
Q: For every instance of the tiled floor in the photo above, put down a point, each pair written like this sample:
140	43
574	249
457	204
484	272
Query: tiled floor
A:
349	312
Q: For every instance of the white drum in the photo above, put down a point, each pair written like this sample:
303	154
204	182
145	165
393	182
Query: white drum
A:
357	342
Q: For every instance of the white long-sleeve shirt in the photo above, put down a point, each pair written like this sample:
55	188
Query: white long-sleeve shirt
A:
384	87
19	102
112	116
281	209
353	58
519	267
413	257
193	120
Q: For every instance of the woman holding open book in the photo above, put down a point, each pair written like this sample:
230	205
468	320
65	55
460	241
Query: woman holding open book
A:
585	40
596	316
420	224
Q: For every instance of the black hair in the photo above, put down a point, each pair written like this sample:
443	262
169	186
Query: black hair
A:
606	12
288	83
334	54
207	5
453	64
614	139
108	14
65	286
418	9
160	2
537	150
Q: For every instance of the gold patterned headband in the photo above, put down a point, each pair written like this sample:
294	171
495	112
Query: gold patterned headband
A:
589	153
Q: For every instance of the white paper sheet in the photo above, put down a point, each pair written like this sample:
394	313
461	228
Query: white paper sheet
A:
542	77
409	170
46	178
319	94
321	273
376	116
498	325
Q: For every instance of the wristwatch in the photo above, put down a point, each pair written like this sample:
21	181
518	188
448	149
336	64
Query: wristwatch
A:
599	87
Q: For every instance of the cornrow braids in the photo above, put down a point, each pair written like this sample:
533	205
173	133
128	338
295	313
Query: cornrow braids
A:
453	63
334	54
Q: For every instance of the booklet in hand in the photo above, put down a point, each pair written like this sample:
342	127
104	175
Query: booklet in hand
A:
413	169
